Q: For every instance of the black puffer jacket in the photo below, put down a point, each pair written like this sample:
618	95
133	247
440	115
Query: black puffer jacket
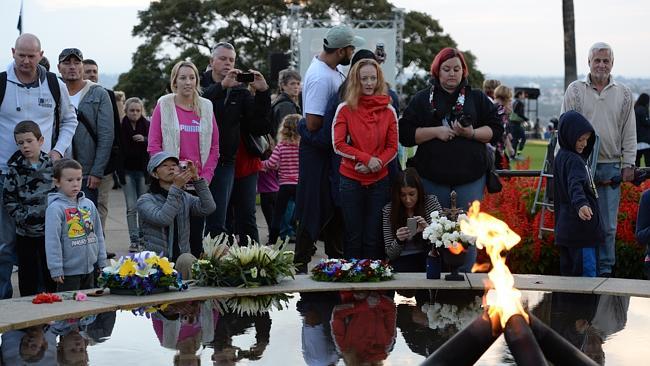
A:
460	160
236	111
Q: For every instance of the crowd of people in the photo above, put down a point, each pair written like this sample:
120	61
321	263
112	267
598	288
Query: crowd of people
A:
322	153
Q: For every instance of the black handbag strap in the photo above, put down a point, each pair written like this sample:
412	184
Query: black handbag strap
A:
84	121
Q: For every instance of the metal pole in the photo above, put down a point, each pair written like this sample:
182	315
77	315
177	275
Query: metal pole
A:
557	350
522	343
466	346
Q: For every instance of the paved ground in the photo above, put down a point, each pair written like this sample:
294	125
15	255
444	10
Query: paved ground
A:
117	234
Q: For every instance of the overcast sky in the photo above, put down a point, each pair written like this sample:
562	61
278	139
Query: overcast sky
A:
509	37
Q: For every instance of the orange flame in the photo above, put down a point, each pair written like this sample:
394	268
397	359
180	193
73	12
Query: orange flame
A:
495	236
456	248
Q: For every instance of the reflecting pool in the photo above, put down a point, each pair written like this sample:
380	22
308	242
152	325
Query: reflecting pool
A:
323	328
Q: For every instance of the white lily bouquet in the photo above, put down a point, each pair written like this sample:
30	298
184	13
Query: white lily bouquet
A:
252	265
443	232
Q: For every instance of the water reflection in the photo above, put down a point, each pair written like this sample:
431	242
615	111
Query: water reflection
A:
184	327
588	320
318	348
37	345
336	328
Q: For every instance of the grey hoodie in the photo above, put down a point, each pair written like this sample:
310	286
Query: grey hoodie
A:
74	240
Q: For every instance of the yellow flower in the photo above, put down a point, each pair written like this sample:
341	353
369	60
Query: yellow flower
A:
165	266
153	260
128	268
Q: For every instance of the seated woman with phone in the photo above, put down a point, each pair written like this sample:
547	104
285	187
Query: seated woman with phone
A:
404	219
166	209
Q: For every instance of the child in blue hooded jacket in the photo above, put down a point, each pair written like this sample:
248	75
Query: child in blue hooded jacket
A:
578	222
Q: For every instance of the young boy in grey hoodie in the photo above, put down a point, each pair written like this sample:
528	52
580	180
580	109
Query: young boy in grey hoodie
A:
74	240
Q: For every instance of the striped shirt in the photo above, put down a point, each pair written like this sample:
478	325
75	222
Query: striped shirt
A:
284	159
396	248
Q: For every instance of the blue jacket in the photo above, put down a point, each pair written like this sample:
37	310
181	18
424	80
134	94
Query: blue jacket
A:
573	186
643	221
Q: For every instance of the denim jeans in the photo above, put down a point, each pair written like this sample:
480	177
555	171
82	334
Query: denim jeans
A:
288	227
608	201
7	248
242	203
465	195
361	207
133	188
221	189
286	193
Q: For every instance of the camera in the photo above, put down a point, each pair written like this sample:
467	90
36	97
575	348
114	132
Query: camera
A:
465	120
246	77
380	53
182	164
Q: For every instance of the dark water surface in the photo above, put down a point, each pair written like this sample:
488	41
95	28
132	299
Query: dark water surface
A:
334	328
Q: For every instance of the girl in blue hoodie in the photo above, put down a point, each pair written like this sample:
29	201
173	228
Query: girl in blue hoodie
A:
578	222
74	240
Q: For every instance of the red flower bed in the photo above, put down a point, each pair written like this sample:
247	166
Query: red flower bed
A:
539	256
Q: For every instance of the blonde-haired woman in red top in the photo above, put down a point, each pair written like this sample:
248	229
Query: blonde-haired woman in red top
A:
364	133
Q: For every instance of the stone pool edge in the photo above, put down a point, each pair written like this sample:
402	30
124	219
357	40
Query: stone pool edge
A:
18	313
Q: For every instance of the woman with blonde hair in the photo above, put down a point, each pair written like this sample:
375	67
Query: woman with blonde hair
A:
364	133
184	125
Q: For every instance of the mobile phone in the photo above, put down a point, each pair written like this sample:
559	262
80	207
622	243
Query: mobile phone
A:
412	225
246	77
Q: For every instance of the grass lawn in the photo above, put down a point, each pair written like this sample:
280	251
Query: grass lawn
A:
535	150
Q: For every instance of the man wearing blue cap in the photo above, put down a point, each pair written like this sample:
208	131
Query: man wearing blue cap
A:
313	202
165	211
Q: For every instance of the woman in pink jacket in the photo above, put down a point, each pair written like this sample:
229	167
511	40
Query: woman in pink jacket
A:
364	133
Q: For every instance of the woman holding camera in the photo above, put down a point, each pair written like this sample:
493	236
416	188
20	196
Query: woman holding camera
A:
404	219
451	123
183	124
364	134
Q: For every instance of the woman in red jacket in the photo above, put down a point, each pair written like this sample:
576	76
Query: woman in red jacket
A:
364	133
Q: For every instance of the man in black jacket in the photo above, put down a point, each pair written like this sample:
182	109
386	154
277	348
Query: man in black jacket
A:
237	112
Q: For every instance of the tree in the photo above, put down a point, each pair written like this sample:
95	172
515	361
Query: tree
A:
568	19
257	28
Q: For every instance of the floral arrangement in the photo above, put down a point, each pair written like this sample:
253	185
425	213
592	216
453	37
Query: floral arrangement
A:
143	273
46	298
253	305
50	298
253	265
440	316
353	270
443	232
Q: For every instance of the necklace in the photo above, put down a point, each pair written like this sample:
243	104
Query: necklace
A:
458	107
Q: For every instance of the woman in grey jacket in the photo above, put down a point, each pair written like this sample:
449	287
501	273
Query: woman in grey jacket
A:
165	211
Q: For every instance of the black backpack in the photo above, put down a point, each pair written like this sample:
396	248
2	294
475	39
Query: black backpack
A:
53	84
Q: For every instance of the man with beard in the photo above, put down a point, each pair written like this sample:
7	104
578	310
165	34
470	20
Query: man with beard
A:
313	202
93	138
